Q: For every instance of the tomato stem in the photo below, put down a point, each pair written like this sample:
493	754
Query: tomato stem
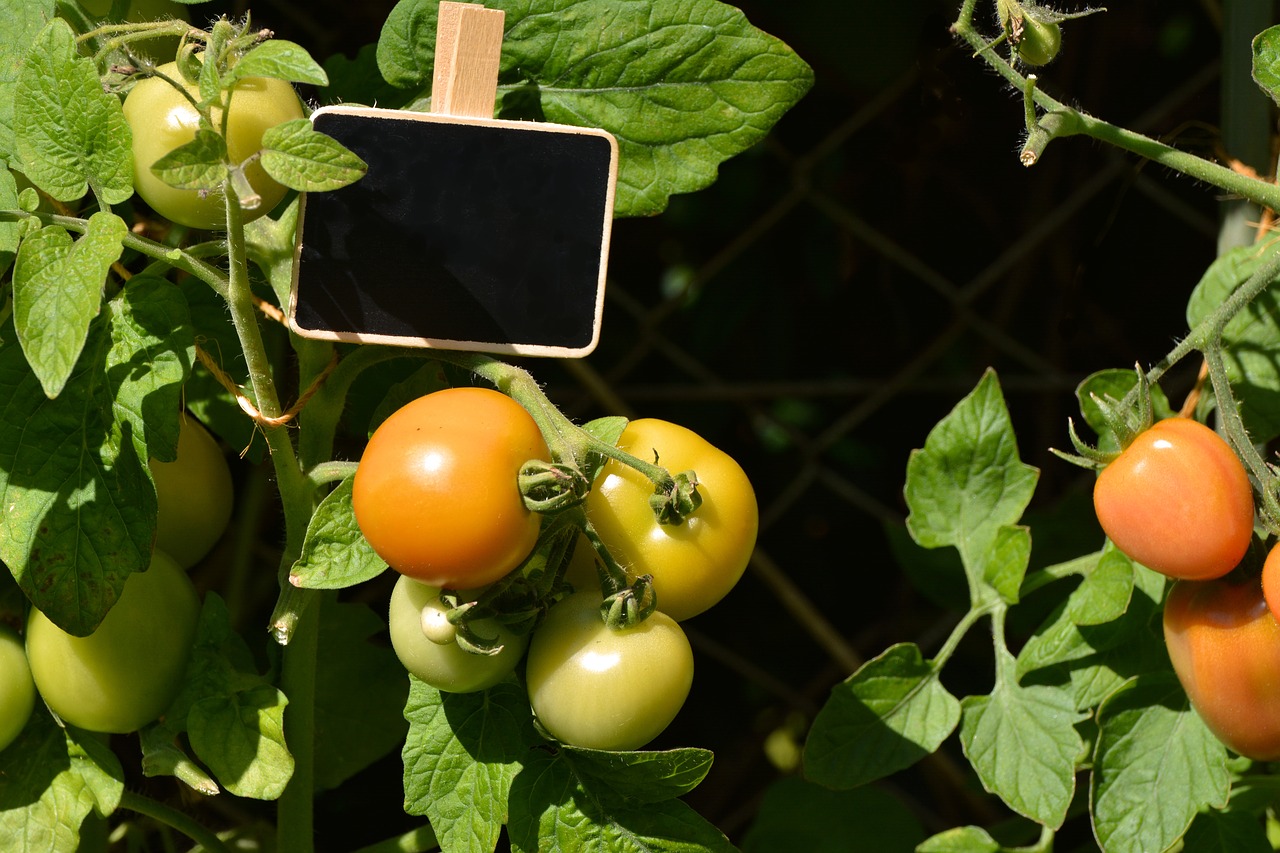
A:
1076	122
174	819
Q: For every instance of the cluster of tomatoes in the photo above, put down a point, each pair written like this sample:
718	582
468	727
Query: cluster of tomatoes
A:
1178	500
437	495
127	672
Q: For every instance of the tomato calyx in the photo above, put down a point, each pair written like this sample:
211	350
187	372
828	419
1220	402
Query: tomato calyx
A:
672	506
549	487
631	605
1126	418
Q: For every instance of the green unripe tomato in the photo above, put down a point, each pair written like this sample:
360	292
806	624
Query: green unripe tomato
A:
193	494
1040	42
600	688
424	641
124	674
162	119
17	690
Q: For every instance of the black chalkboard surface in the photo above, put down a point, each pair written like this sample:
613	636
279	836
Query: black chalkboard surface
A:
465	233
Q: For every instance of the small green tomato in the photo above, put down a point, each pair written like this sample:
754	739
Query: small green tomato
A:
425	642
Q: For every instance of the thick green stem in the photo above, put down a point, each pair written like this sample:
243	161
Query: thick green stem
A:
295	818
171	817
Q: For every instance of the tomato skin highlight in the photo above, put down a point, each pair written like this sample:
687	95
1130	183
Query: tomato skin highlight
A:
124	674
599	688
693	564
194	495
446	666
162	119
436	492
17	689
1225	648
1178	500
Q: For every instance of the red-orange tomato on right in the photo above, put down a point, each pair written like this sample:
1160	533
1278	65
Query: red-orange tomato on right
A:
1178	500
1225	648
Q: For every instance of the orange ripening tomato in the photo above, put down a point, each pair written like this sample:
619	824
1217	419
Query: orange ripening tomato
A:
1225	647
1178	501
436	493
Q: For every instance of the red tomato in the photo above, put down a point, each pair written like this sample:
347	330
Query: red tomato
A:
1225	647
436	493
1178	501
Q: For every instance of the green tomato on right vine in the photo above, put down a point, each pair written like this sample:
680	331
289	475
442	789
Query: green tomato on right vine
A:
693	564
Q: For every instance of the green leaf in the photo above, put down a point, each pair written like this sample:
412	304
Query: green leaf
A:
70	134
358	81
241	739
460	757
682	84
52	779
23	21
57	291
1251	338
281	59
961	839
1266	61
1005	564
335	554
198	165
885	717
233	717
80	510
646	777
1105	593
1023	743
554	807
360	694
306	160
1093	660
1156	765
1234	831
799	815
968	483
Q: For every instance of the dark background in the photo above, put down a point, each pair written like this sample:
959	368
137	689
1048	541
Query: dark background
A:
839	289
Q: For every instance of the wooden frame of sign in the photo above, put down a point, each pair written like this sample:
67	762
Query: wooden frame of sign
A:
467	232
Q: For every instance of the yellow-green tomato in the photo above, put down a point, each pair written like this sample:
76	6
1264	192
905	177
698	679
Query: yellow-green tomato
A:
162	119
193	494
694	563
124	674
600	688
425	642
17	690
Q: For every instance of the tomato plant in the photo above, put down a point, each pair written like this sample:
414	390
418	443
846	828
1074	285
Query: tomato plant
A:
164	118
604	688
1225	646
427	644
124	674
17	690
694	564
436	493
1178	500
193	495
